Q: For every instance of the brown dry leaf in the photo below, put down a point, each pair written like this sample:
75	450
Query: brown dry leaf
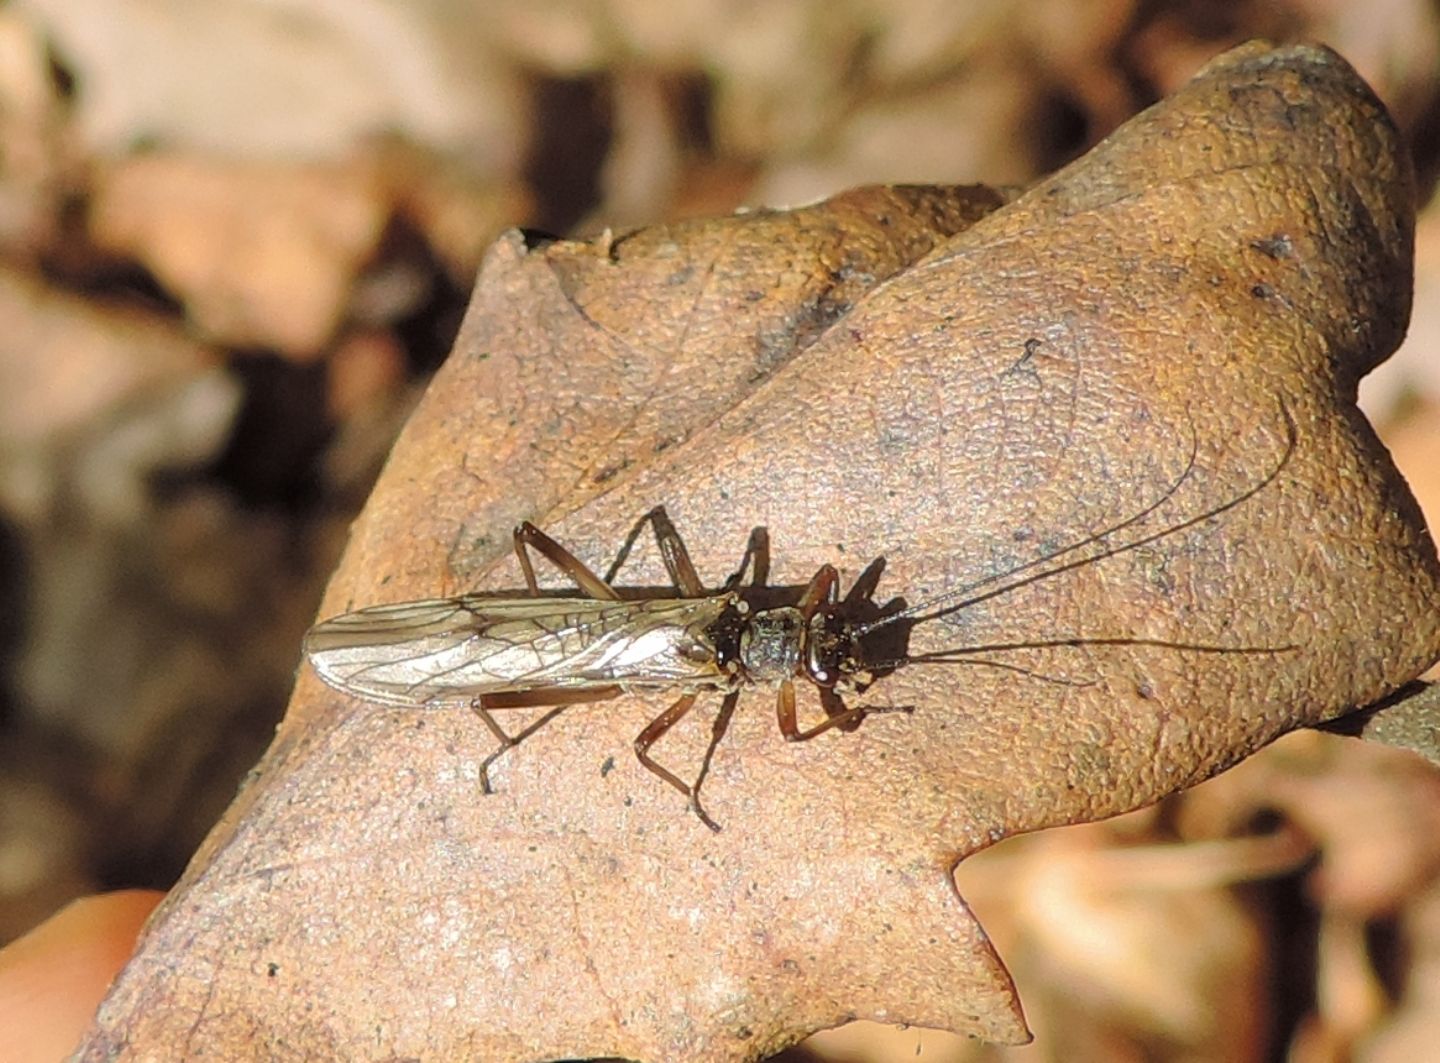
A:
1129	951
988	117
31	142
75	379
1373	812
1413	1027
1146	333
247	80
262	255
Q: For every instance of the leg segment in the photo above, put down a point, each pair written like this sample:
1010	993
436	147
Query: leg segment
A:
559	699
657	728
757	552
677	558
837	715
846	718
824	589
527	535
717	732
672	552
507	741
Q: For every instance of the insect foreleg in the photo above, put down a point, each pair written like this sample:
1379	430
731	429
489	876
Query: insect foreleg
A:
837	714
824	589
841	715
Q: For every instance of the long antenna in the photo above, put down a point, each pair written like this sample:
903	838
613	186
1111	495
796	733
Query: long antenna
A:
970	654
954	600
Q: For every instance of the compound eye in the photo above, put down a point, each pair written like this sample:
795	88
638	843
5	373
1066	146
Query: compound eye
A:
820	668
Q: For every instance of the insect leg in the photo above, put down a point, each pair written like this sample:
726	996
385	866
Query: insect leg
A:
560	699
507	741
838	715
757	553
717	732
677	558
672	551
653	732
824	589
527	535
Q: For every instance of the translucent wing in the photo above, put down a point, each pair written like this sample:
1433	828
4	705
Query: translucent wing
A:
446	650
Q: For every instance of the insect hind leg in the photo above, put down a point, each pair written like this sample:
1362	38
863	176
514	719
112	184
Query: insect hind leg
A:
507	741
528	537
557	701
717	732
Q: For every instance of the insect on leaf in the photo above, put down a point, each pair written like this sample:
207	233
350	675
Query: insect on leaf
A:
1134	383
